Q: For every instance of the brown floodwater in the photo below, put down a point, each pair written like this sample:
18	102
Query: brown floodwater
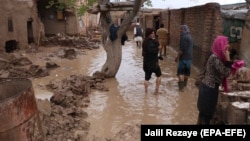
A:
125	103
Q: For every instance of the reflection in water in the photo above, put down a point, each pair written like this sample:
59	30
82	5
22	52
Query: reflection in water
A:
126	103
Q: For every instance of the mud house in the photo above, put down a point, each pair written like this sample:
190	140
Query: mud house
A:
20	24
150	18
65	20
27	21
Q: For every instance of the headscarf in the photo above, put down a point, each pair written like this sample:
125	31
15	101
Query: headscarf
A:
185	28
218	49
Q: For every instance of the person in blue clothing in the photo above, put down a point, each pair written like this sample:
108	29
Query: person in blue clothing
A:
150	50
184	57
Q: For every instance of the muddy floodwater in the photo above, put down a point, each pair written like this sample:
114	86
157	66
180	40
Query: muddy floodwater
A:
125	103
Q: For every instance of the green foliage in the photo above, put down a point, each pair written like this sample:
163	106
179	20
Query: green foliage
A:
59	4
148	3
70	4
80	9
83	8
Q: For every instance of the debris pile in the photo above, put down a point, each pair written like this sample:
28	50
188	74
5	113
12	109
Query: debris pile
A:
70	41
63	117
18	66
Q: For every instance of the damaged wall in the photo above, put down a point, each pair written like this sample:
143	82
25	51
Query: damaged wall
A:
20	24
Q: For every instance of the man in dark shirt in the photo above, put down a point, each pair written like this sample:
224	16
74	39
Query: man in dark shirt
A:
150	50
184	57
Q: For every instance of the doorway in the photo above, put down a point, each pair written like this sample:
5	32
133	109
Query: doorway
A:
156	22
30	31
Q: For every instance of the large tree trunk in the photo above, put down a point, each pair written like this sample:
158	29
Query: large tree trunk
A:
114	48
114	56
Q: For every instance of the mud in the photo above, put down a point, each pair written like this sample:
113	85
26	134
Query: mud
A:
75	103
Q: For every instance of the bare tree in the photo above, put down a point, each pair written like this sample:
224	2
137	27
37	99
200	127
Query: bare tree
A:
114	48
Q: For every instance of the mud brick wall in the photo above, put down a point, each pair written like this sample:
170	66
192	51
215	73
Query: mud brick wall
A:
165	19
19	22
174	27
205	23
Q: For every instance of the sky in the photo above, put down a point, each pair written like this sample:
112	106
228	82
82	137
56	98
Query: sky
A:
175	4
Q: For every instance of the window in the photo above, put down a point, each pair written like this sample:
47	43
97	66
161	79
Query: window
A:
10	25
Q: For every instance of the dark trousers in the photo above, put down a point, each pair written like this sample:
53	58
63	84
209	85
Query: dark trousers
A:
207	101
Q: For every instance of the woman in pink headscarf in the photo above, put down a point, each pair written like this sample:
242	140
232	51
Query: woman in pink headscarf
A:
218	68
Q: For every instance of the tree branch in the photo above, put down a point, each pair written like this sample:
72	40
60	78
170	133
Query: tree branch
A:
117	6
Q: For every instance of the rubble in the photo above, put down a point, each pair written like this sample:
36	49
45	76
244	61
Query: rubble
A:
62	117
78	42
